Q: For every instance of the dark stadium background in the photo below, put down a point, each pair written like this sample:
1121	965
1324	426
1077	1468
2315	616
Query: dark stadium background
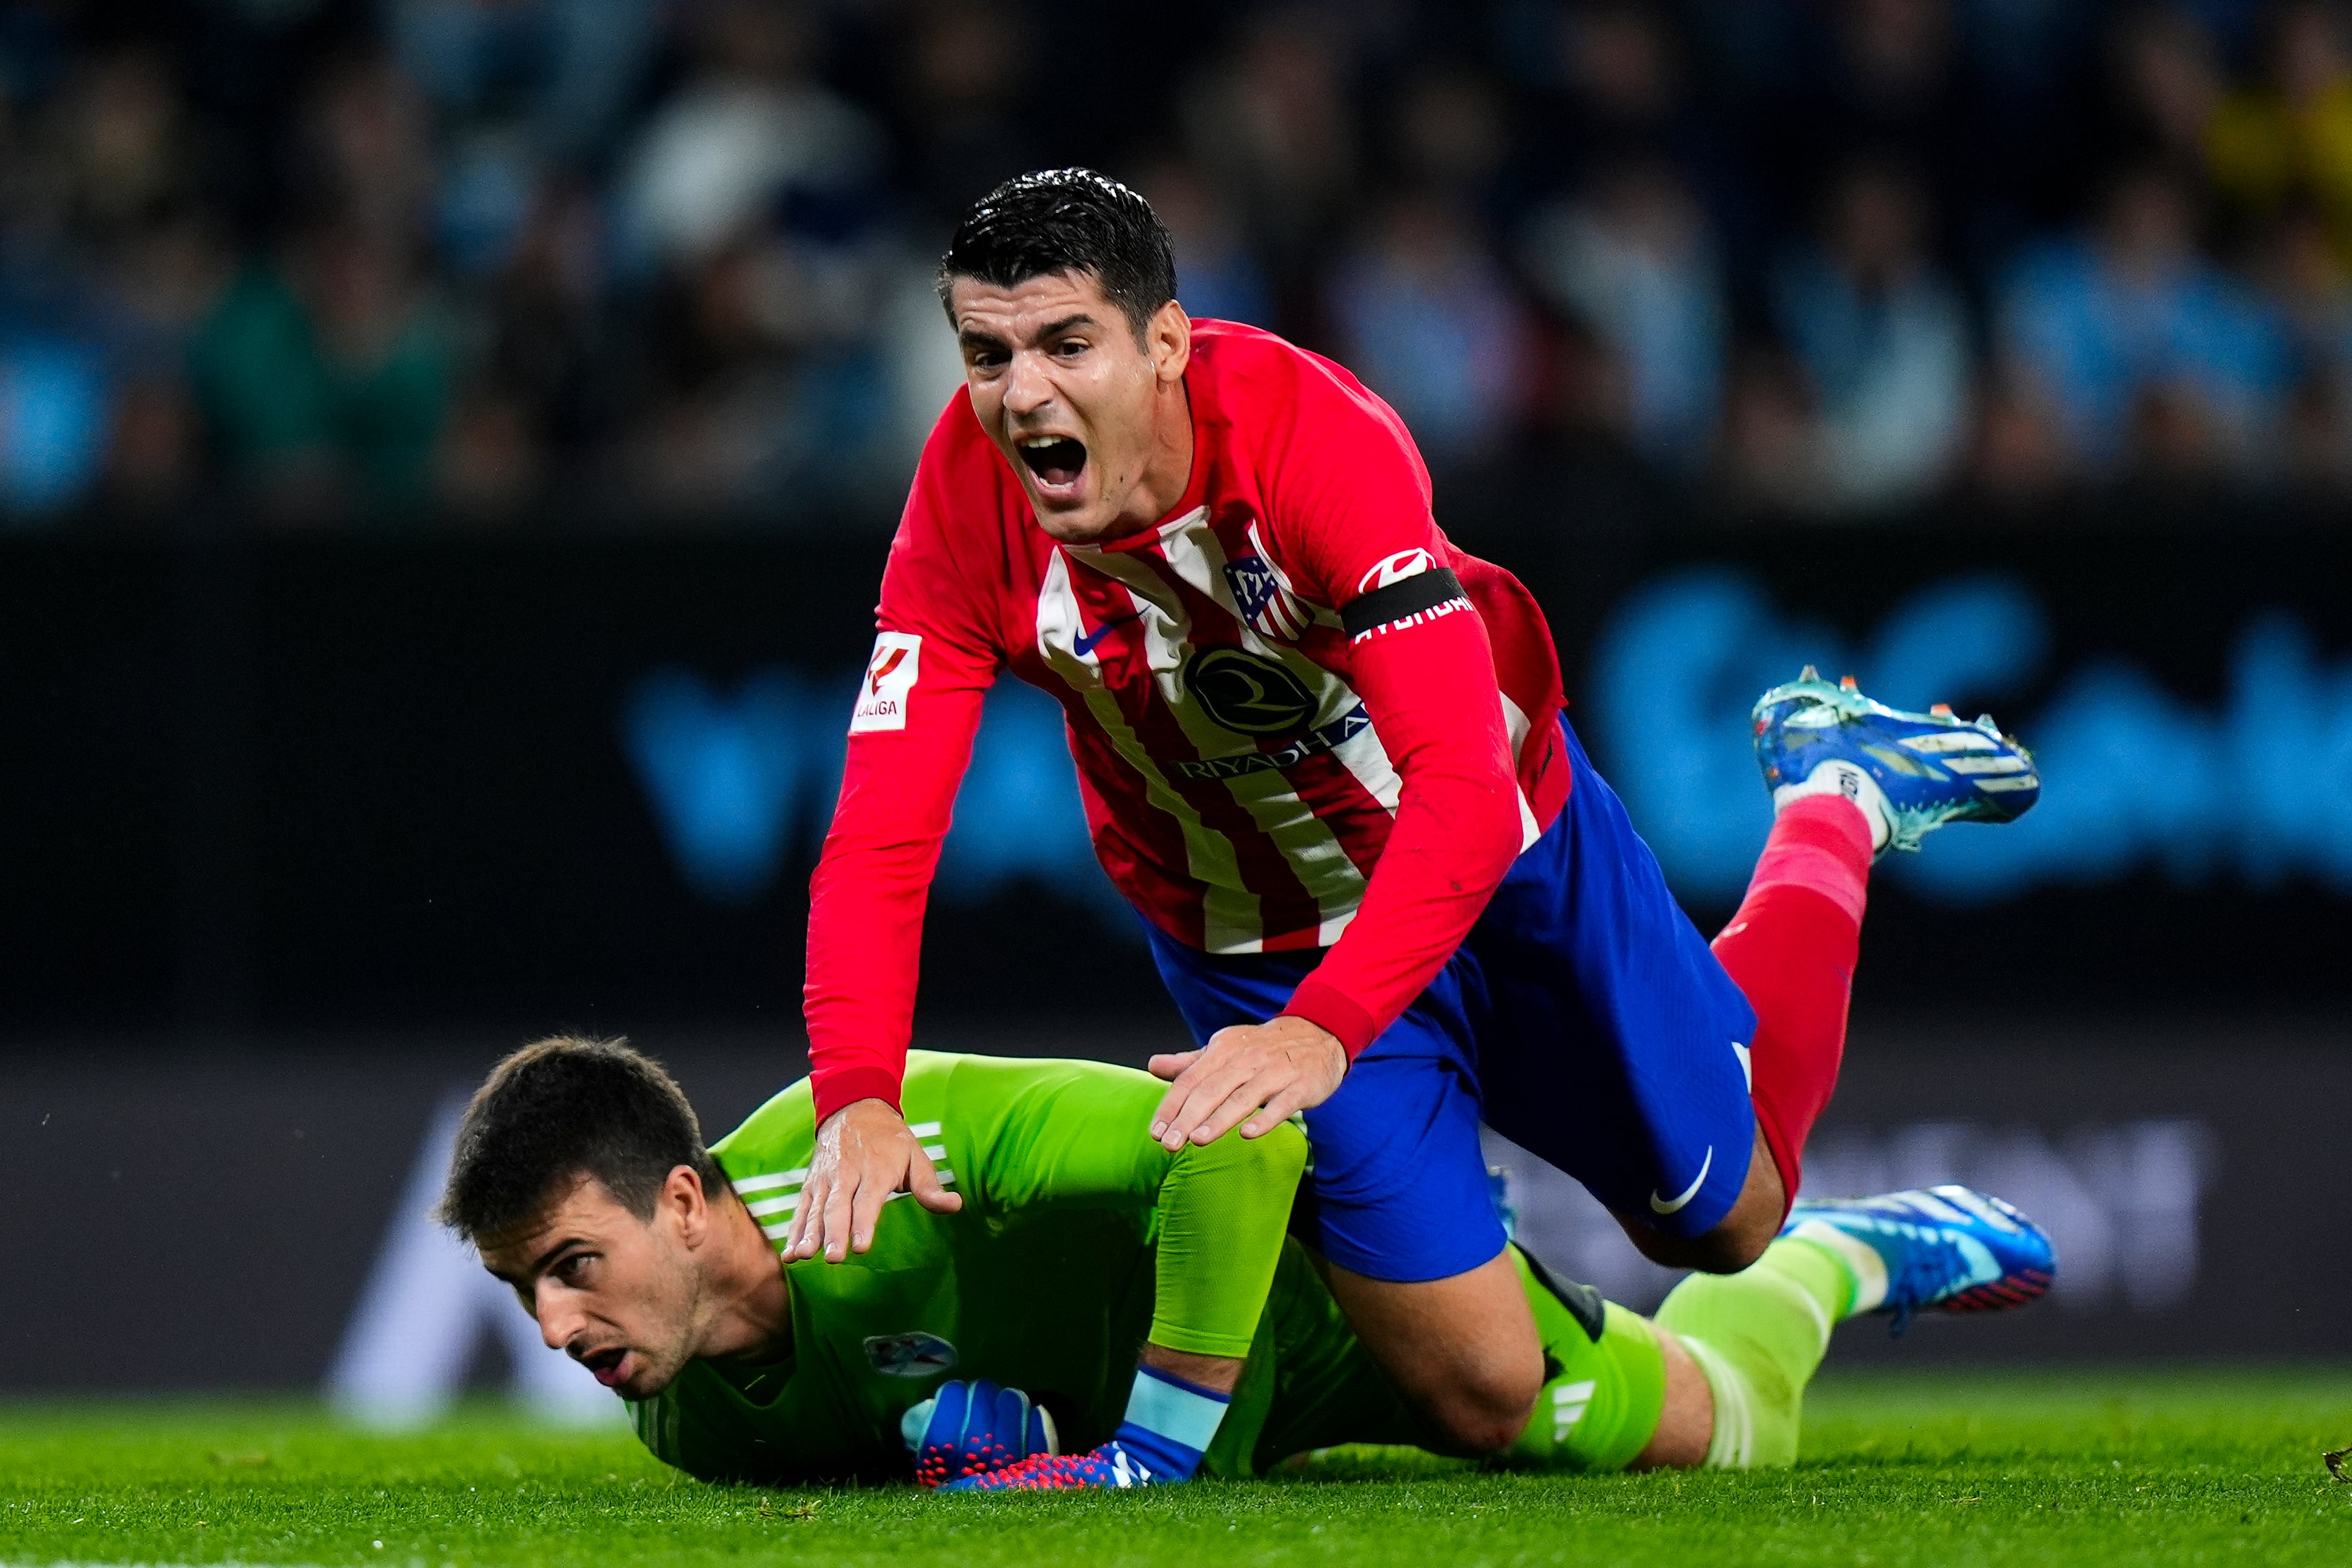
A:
447	449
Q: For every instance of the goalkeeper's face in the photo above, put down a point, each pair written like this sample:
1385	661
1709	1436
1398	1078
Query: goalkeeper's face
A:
621	1295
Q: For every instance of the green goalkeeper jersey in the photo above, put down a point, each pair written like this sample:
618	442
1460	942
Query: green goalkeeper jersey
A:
1079	1238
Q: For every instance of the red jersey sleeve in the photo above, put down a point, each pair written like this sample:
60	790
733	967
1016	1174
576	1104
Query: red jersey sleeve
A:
910	736
1348	500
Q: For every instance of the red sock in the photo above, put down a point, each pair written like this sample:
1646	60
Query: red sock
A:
1792	949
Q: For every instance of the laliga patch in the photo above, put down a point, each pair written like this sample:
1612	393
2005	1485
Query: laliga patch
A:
889	683
917	1354
1395	568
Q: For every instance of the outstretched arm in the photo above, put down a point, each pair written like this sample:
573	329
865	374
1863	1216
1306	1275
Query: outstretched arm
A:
1348	515
864	943
867	910
910	737
1430	689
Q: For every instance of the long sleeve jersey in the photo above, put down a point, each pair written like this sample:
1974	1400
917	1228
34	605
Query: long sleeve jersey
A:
1301	718
1079	1238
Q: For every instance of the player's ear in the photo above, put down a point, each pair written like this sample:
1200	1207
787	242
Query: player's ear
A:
683	1197
1168	336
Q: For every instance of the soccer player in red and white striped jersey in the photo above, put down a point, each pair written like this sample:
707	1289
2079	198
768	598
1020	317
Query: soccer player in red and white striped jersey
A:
1323	754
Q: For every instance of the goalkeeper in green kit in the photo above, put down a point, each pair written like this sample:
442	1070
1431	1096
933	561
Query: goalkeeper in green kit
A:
1096	1311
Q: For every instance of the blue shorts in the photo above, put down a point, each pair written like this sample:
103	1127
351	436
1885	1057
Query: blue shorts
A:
1583	1018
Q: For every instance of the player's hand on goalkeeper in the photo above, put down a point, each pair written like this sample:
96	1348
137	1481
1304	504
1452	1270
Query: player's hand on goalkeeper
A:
864	1154
974	1428
1264	1073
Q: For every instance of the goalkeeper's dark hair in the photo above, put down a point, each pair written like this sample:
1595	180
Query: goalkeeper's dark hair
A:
1066	220
562	1108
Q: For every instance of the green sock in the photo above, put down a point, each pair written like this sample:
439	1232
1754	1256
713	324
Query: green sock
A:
1604	1389
1601	1397
1758	1335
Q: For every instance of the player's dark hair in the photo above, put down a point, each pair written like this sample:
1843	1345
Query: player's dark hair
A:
561	1109
1066	220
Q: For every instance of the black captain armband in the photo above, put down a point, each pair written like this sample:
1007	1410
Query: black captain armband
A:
1407	602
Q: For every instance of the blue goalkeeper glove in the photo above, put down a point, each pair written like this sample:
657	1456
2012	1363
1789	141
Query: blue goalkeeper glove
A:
972	1429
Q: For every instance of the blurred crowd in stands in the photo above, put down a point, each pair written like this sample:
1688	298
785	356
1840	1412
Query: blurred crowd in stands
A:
598	263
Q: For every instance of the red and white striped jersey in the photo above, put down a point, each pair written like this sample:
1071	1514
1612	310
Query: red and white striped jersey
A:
1254	688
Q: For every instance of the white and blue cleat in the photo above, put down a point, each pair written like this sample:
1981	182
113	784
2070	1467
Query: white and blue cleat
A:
1944	1250
1909	773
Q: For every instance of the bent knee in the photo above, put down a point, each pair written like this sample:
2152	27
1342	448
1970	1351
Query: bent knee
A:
1486	1416
1726	1249
1738	1238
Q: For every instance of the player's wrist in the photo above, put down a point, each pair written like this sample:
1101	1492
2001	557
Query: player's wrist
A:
837	1092
1333	1012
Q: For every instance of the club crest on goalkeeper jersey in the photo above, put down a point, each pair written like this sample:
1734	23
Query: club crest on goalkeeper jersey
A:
1079	1238
1050	1296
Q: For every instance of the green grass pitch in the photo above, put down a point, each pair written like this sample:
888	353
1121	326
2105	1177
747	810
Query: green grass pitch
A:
2078	1468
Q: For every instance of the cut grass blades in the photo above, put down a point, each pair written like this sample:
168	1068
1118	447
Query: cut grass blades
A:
2083	1468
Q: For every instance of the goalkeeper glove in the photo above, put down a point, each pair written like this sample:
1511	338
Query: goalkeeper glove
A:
972	1429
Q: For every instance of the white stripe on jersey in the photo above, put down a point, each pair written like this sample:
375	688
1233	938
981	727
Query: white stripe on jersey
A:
1314	852
1515	722
780	1179
1230	919
1165	624
1369	760
1316	614
1361	754
1195	554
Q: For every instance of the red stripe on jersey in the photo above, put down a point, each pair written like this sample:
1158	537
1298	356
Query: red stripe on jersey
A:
1285	905
1306	491
1325	785
1356	818
1135	845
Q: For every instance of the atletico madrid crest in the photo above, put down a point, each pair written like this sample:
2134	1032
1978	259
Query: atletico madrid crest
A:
1269	607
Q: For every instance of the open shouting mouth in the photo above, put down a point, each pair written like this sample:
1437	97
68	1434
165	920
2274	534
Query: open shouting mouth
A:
607	1364
1057	461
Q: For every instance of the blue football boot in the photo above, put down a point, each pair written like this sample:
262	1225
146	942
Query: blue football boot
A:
1910	773
1946	1249
972	1428
1111	1467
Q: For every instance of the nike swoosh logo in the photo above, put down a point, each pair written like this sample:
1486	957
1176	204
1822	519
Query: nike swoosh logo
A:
1662	1206
1086	640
